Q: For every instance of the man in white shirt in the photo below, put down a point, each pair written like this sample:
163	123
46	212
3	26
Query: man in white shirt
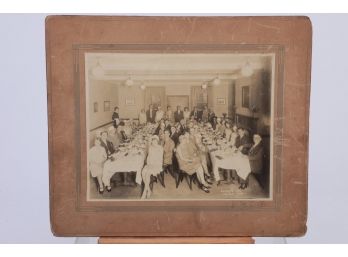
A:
159	114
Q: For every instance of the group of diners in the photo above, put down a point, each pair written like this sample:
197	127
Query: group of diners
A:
176	146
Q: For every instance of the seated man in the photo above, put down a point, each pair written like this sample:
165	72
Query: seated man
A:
181	129
113	137
242	141
196	114
255	155
203	154
174	135
122	132
190	162
108	146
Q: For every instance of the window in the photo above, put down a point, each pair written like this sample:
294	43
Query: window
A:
245	96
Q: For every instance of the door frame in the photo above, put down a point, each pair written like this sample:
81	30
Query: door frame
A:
186	96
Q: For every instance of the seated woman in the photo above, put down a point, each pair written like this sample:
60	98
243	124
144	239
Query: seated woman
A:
234	135
190	162
153	165
168	148
228	132
219	127
255	155
160	130
128	128
97	157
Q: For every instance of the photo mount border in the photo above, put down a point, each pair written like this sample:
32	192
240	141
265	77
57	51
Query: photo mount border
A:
225	205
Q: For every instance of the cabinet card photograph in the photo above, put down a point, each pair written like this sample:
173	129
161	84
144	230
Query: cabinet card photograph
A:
179	126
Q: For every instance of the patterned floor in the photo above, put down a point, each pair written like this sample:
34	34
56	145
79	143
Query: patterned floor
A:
223	191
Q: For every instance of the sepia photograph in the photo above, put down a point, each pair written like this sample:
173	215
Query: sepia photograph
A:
179	126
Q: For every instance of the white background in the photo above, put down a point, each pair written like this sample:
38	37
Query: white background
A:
24	203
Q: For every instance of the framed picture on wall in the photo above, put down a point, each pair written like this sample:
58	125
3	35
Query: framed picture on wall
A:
130	101
221	101
95	106
106	106
115	191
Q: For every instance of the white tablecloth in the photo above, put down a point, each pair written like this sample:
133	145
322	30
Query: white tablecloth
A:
231	161
133	162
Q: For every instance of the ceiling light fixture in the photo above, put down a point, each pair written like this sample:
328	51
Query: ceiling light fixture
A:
216	81
247	70
129	82
98	70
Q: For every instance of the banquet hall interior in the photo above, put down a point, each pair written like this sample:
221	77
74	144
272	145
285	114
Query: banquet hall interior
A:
235	87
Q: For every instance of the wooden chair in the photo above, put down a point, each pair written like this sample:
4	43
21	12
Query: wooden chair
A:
189	178
159	177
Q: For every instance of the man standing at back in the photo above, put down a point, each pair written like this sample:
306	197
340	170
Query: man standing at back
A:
178	114
150	114
196	114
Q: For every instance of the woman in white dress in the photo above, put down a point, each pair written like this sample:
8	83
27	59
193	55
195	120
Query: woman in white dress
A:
228	132
159	114
190	162
97	157
234	135
154	165
186	114
142	117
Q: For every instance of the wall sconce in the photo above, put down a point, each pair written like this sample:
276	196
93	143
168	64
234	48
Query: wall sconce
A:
142	86
216	81
129	82
204	85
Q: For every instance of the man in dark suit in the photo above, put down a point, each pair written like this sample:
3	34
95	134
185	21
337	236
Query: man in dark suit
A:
115	116
182	127
196	114
243	141
211	116
108	146
178	114
174	135
150	114
167	125
256	157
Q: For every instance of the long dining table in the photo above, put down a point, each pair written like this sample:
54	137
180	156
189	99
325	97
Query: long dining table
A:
223	155
130	156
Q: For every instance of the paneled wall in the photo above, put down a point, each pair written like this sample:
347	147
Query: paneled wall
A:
219	97
131	100
257	115
99	92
